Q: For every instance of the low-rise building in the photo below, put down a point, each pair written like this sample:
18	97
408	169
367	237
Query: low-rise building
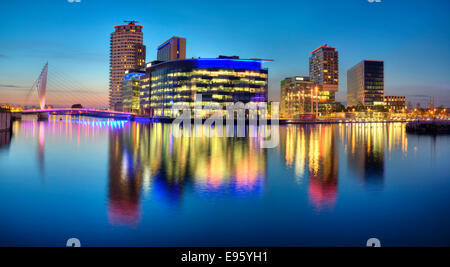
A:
395	103
131	91
300	96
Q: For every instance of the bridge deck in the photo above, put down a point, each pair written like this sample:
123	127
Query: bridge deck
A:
80	111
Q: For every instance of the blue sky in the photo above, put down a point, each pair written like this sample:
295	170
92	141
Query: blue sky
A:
411	36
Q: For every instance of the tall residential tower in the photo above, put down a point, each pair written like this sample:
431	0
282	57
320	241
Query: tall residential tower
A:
324	68
127	52
324	74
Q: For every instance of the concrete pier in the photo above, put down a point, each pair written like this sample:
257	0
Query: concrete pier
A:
429	127
43	116
5	121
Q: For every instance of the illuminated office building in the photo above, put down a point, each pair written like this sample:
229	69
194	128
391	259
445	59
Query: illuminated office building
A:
131	91
172	49
219	80
300	96
395	103
144	94
324	73
127	52
295	96
365	84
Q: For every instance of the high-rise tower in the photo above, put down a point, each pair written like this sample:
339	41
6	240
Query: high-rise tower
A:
324	68
127	52
324	73
365	84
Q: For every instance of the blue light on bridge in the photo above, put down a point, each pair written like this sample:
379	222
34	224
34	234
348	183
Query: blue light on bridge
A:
114	124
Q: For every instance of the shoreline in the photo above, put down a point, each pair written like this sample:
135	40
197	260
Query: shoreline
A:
301	122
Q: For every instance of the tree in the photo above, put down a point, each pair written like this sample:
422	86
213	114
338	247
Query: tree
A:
338	107
409	105
380	108
360	107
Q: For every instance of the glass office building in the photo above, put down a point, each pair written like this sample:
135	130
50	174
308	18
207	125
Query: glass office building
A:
144	95
295	96
365	84
131	90
220	80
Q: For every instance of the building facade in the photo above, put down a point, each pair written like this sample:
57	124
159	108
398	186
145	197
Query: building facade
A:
299	96
172	49
131	91
127	52
395	103
324	73
218	81
365	84
295	96
145	82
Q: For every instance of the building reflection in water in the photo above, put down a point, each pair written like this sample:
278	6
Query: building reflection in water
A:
312	152
61	126
147	157
5	139
366	146
147	161
36	131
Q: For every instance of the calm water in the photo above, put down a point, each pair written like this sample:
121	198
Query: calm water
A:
127	183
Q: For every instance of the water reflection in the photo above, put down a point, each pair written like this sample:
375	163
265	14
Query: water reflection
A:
66	127
147	157
128	183
5	139
125	179
366	146
147	161
313	153
366	152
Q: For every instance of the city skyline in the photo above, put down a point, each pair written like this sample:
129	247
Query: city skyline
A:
225	131
415	53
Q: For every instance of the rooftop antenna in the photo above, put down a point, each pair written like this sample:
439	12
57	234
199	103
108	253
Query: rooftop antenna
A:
131	22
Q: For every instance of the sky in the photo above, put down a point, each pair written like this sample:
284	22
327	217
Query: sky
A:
411	36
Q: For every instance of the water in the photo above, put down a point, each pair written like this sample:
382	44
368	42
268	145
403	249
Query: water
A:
112	183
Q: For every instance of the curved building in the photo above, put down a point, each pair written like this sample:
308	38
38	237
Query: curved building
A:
127	52
220	80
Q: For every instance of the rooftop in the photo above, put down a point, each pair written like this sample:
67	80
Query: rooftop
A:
323	47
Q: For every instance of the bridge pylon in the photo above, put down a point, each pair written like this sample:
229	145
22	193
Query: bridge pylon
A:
41	86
